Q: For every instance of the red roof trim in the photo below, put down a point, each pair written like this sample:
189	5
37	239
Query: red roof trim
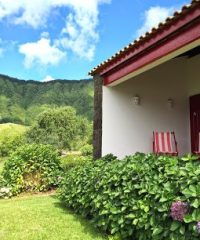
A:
161	36
170	45
134	53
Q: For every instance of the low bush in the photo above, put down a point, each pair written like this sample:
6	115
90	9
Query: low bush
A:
2	181
11	137
73	160
87	150
32	168
143	197
8	145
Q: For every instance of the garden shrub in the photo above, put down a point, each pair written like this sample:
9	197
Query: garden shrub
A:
73	160
11	137
2	181
87	150
109	157
8	144
32	168
137	197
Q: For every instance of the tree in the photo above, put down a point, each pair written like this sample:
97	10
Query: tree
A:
60	127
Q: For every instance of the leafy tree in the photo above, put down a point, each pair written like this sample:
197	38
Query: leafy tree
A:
60	127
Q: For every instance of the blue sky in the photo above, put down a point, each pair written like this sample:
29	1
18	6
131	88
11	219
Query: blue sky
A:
64	39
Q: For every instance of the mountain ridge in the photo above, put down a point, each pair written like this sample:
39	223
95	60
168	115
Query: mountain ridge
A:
40	82
22	100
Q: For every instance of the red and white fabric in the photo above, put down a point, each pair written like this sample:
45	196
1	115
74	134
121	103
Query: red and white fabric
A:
165	143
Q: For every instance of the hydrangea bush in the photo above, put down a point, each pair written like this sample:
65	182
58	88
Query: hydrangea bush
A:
142	197
33	167
179	210
198	227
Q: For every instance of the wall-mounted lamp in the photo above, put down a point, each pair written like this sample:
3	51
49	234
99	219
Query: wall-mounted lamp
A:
136	100
170	102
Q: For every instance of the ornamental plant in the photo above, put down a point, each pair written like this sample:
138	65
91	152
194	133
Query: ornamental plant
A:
198	227
142	197
33	167
179	210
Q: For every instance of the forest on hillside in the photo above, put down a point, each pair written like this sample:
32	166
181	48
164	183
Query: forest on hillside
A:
22	101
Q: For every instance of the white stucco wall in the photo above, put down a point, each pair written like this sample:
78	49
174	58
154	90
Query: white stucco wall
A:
128	128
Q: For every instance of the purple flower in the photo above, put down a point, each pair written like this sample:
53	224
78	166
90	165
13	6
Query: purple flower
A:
179	210
198	227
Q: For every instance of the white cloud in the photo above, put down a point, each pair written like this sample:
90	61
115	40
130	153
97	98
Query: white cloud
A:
153	17
33	13
48	78
80	32
41	53
44	35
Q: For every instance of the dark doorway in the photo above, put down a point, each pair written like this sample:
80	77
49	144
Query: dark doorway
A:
195	122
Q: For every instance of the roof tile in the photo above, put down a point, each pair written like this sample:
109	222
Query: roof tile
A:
142	38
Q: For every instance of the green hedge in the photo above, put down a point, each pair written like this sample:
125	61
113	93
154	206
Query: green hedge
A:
132	198
33	167
73	160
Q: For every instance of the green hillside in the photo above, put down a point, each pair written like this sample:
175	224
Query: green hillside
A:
21	101
11	129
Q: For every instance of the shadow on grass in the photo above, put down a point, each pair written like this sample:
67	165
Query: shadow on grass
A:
88	226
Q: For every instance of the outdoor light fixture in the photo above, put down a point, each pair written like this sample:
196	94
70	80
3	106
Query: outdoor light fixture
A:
136	100
170	102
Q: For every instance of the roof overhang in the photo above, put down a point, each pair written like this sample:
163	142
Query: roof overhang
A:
181	35
116	78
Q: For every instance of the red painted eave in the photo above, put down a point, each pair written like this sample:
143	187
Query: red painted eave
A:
182	31
150	55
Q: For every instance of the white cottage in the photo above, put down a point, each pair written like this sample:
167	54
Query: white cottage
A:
153	84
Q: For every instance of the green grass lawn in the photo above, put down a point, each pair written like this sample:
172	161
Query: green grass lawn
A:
42	218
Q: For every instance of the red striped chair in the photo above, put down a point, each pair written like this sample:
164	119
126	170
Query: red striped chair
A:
165	143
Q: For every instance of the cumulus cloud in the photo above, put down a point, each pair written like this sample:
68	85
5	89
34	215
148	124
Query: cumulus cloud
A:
153	17
80	31
79	34
48	78
44	35
33	13
41	53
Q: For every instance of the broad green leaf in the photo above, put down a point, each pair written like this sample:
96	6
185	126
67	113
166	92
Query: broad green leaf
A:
175	225
195	203
157	231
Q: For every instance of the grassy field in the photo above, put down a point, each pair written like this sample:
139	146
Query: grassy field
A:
11	129
39	217
42	218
